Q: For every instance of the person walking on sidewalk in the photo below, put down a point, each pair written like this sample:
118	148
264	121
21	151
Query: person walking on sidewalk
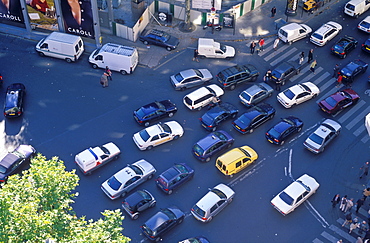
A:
261	43
343	203
339	81
353	226
252	47
366	192
365	169
359	204
104	80
195	57
363	227
335	71
109	72
312	66
335	200
349	205
273	12
301	58
348	219
310	56
276	43
267	76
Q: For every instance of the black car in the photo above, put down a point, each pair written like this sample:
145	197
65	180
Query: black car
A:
174	177
14	100
366	46
154	111
343	46
138	202
162	222
285	128
13	160
212	118
352	69
159	38
254	117
284	71
238	74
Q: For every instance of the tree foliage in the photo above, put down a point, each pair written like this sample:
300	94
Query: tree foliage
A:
36	206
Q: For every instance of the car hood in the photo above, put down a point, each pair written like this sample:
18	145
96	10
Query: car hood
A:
173	41
216	89
175	127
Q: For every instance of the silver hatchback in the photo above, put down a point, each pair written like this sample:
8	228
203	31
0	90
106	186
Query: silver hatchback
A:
190	78
255	94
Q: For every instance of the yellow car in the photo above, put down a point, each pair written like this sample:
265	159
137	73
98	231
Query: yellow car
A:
236	160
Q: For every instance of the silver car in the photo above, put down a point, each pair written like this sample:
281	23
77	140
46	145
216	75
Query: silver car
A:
190	78
322	136
256	93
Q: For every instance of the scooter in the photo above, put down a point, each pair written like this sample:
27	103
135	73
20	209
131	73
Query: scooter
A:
217	27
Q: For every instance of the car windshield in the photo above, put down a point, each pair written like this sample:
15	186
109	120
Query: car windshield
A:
179	77
316	138
246	96
288	121
104	149
160	106
181	168
145	195
317	36
332	102
114	183
286	198
245	152
220	135
137	170
170	214
197	72
221	76
219	193
166	128
198	211
289	94
144	135
2	169
165	37
198	150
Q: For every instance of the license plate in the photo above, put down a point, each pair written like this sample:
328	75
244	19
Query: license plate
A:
337	52
367	48
323	109
270	141
237	126
204	125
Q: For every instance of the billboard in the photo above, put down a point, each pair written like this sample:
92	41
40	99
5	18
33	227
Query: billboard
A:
291	7
78	17
42	14
11	10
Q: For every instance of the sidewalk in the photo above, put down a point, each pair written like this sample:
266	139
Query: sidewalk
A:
251	26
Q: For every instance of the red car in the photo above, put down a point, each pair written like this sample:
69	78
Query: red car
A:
338	101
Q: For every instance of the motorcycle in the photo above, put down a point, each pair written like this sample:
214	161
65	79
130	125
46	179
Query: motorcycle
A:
217	27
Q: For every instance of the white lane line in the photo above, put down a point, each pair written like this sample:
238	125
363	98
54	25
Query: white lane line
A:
321	78
316	214
278	52
312	75
290	164
351	111
358	118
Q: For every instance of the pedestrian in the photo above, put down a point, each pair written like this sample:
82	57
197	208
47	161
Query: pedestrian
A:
359	204
109	72
195	57
310	56
363	227
343	203
252	47
340	241
348	219
353	226
267	76
349	205
261	43
339	81
367	235
276	43
273	12
335	71
365	169
312	66
104	80
359	239
301	57
335	200
277	85
366	192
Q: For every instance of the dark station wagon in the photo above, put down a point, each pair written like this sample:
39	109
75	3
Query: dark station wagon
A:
343	46
159	38
154	111
174	177
284	129
14	100
212	118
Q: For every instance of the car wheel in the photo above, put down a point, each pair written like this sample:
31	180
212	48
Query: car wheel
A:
214	129
123	194
69	60
209	219
150	176
180	221
272	116
199	108
283	83
116	157
94	66
176	137
269	95
290	42
344	56
322	150
88	173
146	124
168	48
298	71
233	115
170	114
231	176
229	145
158	239
232	87
169	192
41	54
251	130
314	95
230	200
282	142
254	78
182	88
149	147
299	129
136	216
152	205
123	72
208	159
145	42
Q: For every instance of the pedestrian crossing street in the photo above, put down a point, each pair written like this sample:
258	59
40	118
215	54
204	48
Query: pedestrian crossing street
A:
352	118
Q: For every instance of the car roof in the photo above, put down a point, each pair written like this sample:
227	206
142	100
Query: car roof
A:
188	73
327	27
170	173
9	160
208	141
283	67
134	198
155	221
254	89
154	130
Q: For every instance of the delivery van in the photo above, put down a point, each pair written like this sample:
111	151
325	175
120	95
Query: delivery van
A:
123	59
292	32
61	45
355	8
212	49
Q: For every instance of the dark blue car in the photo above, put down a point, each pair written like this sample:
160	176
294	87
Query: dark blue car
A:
284	129
174	177
159	38
154	111
212	118
212	144
352	69
253	118
343	46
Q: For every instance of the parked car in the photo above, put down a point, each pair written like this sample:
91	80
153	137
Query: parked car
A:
127	179
322	136
295	194
352	69
159	38
364	25
366	46
254	94
154	111
232	76
202	97
339	101
343	46
284	129
174	177
236	160
14	100
190	78
213	143
284	71
293	32
161	222
254	117
325	33
298	94
212	203
157	134
212	118
14	160
198	239
138	202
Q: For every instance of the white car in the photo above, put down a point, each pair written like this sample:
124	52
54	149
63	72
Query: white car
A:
293	32
190	78
203	96
322	136
295	194
127	179
212	203
157	134
298	94
325	33
364	25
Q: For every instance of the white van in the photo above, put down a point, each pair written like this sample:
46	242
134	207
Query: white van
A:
355	8
61	45
203	96
292	32
212	49
123	59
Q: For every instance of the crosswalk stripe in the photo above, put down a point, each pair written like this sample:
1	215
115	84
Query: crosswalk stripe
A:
365	138
342	233
277	52
321	78
304	70
311	75
351	111
360	130
282	57
317	241
358	118
328	236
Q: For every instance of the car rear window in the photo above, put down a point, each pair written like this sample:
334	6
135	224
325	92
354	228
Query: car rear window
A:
181	168
316	139
166	128
2	169
350	7
286	198
114	183
198	73
246	96
145	195
198	211
221	136
198	150
178	77
289	94
188	101
317	36
365	24
144	135
274	133
137	170
332	102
